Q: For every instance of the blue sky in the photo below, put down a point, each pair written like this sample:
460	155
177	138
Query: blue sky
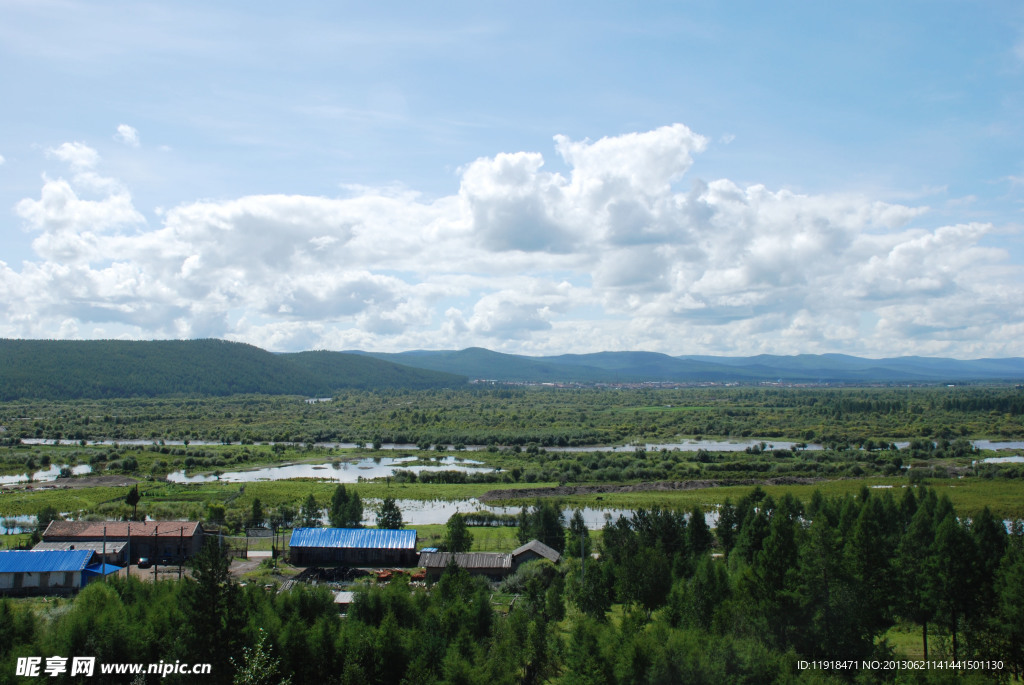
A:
684	177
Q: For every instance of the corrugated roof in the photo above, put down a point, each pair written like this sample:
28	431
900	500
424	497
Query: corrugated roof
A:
467	560
112	546
119	529
354	538
31	561
539	548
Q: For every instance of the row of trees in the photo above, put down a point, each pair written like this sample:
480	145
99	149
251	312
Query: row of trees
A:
345	510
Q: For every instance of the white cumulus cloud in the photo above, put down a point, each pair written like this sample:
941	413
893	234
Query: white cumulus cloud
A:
127	134
79	156
628	249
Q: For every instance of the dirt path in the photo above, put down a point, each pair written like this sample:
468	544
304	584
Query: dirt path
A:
239	567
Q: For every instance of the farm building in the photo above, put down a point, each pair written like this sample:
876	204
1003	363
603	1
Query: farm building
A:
160	541
109	552
490	564
534	549
48	572
353	547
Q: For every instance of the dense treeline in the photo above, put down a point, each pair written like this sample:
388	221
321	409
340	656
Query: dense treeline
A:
667	600
75	369
826	581
545	417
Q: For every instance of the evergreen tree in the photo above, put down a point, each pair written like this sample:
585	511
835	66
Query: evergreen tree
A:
826	596
869	554
914	570
989	535
211	606
257	516
132	500
309	516
587	586
773	574
543	522
457	537
354	511
388	514
578	543
727	525
1009	617
954	582
698	534
337	514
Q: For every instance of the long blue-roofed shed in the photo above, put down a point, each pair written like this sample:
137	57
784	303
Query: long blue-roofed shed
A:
43	572
353	547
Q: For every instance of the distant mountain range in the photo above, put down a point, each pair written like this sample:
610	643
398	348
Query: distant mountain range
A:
73	369
634	367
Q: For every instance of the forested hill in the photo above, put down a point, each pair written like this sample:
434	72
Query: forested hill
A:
74	369
630	367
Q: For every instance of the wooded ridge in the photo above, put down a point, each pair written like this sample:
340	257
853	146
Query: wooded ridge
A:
95	369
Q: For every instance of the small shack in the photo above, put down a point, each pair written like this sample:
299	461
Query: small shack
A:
489	564
343	600
534	549
160	541
353	547
26	572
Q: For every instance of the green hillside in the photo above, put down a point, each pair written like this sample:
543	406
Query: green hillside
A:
342	370
74	369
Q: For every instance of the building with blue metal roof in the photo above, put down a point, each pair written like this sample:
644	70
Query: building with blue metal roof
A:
353	547
45	571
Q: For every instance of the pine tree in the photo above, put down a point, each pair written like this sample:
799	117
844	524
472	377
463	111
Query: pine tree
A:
457	538
953	582
310	513
338	512
913	571
389	515
579	543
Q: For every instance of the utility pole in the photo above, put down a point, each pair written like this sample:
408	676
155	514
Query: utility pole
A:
128	568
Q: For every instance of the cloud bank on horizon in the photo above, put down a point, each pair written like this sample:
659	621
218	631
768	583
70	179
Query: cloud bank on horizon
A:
626	249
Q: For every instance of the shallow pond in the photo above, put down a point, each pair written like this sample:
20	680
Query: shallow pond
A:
49	474
1003	460
425	512
336	471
